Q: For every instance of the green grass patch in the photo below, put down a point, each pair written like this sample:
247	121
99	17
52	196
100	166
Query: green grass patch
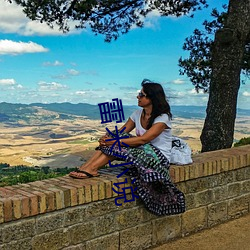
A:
23	174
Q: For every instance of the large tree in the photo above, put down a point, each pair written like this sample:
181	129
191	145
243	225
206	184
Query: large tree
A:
113	17
198	67
227	56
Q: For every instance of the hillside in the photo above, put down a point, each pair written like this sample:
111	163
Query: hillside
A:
39	112
64	134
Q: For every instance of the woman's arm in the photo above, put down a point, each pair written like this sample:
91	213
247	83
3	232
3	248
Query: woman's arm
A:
136	141
130	125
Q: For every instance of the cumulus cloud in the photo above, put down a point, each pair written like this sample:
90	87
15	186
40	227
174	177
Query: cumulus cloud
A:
55	63
7	82
13	20
80	92
51	86
73	72
246	93
15	48
19	86
178	81
10	84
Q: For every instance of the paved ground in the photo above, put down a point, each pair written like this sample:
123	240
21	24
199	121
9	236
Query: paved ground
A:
233	235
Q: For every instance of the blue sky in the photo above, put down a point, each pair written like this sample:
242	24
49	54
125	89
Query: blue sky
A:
38	64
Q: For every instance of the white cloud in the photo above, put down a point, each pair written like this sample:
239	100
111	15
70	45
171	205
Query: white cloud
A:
13	20
80	92
194	92
15	48
51	86
10	84
55	63
19	86
7	82
178	81
73	72
246	93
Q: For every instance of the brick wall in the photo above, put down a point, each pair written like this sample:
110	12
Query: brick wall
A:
65	213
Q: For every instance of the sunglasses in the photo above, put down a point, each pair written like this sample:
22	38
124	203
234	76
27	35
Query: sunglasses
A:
140	94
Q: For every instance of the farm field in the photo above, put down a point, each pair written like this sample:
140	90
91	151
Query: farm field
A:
62	143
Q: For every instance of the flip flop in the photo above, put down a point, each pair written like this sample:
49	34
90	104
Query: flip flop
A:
88	175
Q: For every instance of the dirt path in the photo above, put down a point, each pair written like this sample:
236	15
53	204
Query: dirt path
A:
233	235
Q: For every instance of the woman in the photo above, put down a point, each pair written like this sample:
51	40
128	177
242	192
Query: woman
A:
148	152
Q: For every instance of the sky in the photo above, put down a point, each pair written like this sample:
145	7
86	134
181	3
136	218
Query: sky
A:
38	64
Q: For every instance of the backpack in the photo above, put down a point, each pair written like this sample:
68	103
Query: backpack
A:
180	152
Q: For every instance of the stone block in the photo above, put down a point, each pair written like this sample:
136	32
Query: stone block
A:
107	242
190	203
234	189
245	186
82	232
53	240
204	198
74	215
166	228
136	238
98	208
240	174
18	230
182	186
225	178
194	220
217	213
49	222
77	247
105	224
220	193
24	244
196	185
129	217
238	206
247	172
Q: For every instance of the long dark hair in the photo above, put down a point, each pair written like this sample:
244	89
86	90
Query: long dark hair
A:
156	94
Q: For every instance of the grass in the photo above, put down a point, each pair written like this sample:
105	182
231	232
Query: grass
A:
23	174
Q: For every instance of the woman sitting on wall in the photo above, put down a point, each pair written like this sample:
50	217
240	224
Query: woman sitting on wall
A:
148	153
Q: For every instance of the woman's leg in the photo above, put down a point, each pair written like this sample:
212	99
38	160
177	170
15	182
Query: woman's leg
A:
96	154
98	160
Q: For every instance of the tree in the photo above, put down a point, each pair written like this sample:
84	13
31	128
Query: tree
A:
198	66
219	126
108	17
113	17
227	58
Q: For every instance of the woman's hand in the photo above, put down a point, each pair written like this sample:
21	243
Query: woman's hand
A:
102	141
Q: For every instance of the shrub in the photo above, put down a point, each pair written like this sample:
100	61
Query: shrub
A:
22	174
242	142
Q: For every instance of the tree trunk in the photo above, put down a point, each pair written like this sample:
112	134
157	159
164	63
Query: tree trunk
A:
227	56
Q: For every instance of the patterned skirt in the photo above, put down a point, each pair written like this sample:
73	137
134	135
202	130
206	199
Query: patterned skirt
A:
149	172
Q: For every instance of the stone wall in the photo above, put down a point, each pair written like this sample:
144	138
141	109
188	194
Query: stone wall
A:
65	213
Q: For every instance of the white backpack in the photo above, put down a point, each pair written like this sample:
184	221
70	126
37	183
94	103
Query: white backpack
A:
180	152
